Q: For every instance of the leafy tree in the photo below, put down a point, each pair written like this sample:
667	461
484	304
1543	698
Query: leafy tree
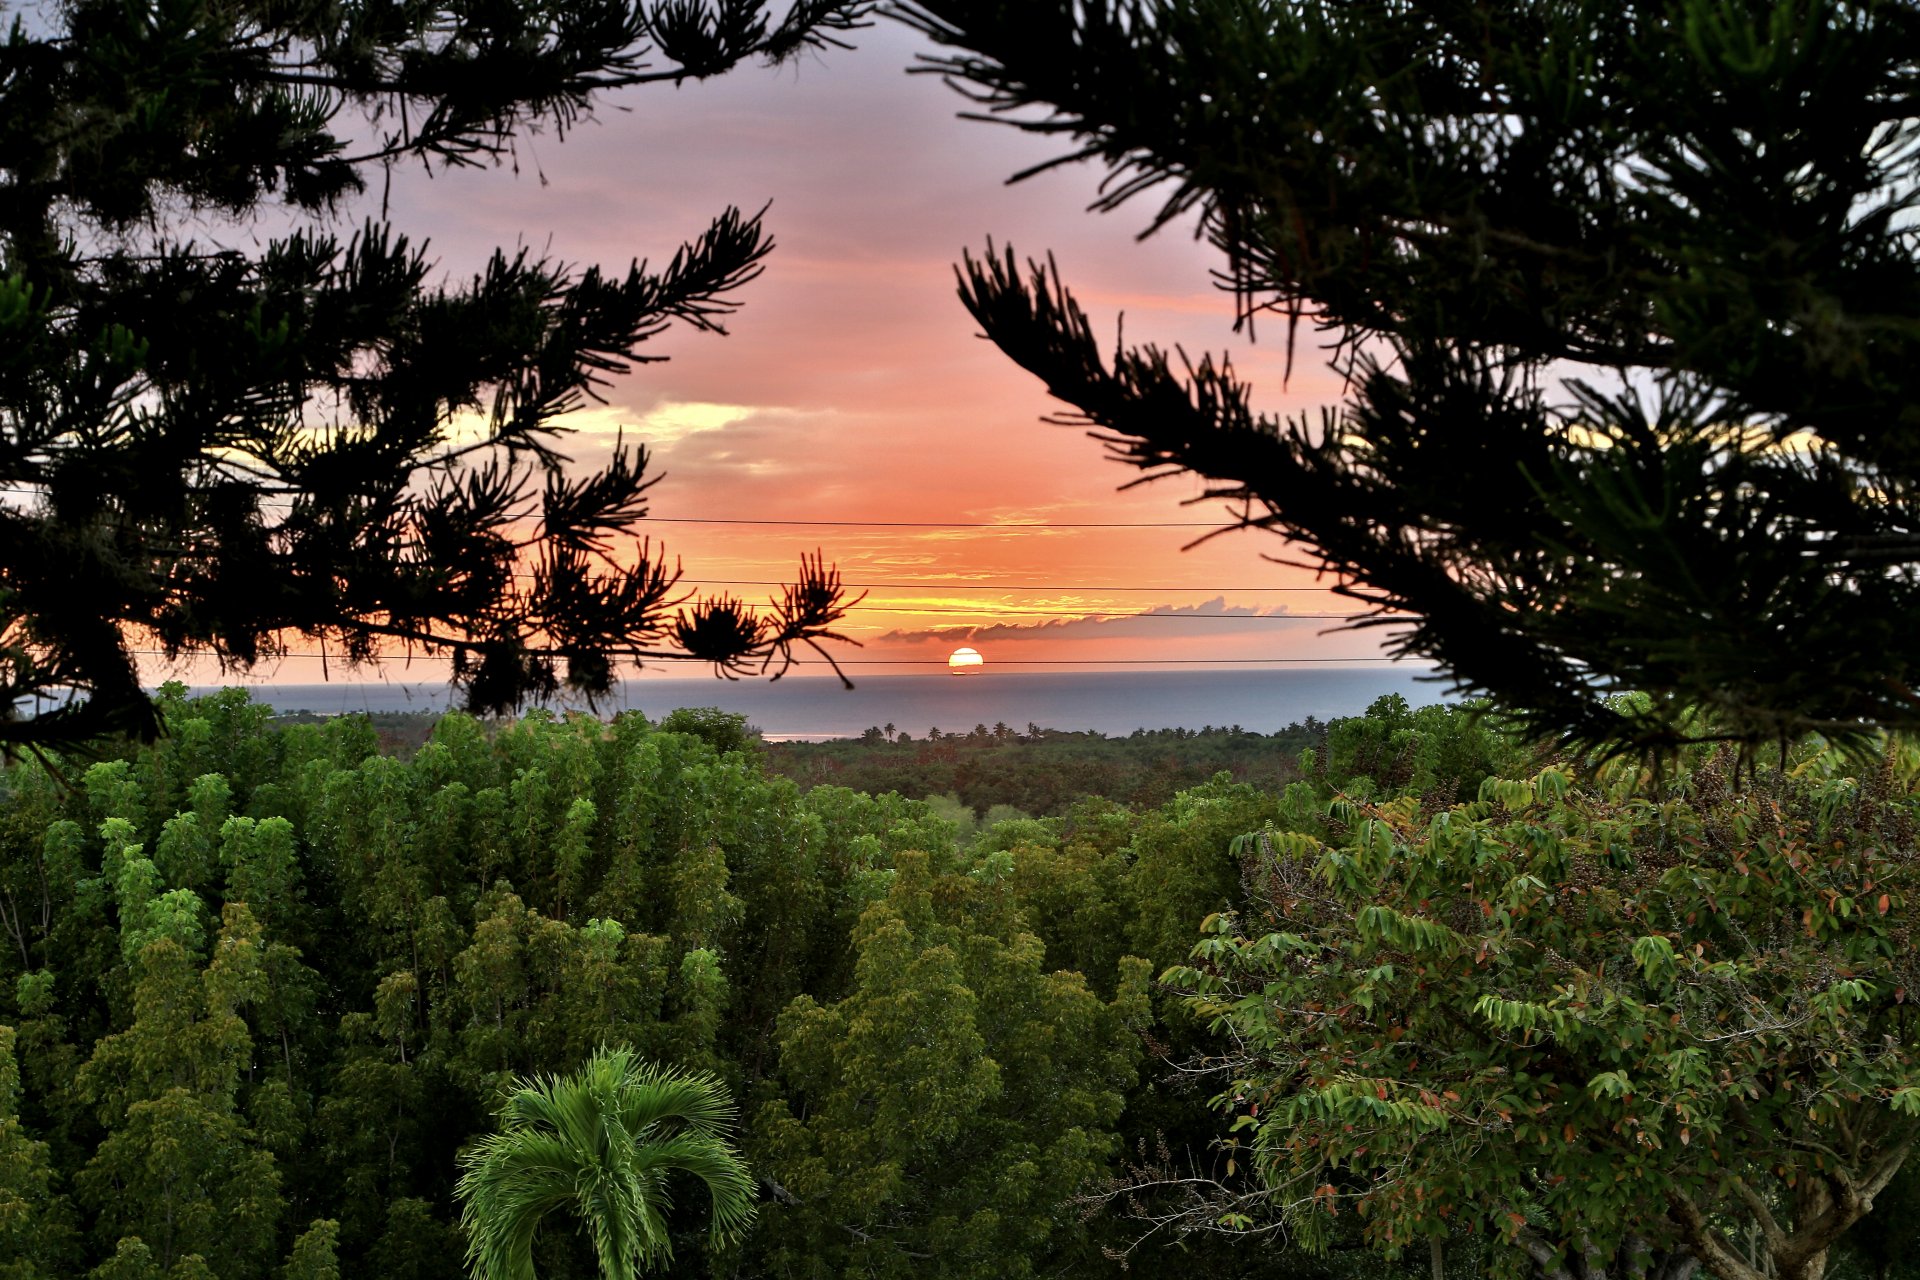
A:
1692	216
724	731
180	1168
313	1254
1605	1028
1437	751
941	1115
211	450
1178	868
39	864
415	1245
535	990
131	1260
600	1144
35	1220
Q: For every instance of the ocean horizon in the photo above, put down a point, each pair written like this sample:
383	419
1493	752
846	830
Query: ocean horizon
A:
813	708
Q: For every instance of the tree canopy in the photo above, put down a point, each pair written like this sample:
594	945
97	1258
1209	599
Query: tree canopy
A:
261	985
1596	1024
1625	301
214	449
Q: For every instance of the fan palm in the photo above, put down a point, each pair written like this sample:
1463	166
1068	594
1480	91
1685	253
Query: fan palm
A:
600	1142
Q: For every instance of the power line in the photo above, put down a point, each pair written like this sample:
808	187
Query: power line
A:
1120	617
951	524
907	662
1008	588
898	524
984	586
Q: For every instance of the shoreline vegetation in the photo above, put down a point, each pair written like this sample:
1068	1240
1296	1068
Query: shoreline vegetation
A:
1039	771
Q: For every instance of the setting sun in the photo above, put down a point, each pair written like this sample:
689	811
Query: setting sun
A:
966	662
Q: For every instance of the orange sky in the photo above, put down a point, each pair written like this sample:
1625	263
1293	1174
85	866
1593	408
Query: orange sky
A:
852	386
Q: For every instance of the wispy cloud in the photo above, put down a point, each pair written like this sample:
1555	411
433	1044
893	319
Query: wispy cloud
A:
668	422
1211	617
674	420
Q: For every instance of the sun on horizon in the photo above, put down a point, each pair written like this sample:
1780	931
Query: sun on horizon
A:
966	661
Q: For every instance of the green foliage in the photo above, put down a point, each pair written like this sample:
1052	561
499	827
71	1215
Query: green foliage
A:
1566	1011
180	1168
1045	771
313	1254
938	1047
949	809
35	1221
600	1144
1394	748
724	731
416	1245
131	1260
940	1115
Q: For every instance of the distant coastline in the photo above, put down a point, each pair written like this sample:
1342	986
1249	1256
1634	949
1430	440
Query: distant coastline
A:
1262	700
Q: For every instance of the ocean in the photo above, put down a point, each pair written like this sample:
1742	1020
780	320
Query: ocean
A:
1112	703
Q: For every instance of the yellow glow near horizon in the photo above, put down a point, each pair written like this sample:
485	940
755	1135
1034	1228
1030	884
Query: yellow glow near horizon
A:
966	662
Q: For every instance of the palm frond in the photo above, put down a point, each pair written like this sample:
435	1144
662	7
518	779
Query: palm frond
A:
656	1096
730	1187
601	1142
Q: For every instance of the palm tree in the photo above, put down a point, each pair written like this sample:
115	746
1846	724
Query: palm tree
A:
600	1142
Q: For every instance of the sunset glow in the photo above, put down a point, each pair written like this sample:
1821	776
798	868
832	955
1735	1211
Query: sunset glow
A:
851	407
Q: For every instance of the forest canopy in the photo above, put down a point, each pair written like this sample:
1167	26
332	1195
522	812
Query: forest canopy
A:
261	986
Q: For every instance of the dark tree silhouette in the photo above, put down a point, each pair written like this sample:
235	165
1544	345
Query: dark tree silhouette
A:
1626	297
207	450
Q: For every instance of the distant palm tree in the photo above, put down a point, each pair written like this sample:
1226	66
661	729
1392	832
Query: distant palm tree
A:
601	1143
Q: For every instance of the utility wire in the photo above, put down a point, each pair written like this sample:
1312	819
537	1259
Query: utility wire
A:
979	586
984	586
950	524
1116	617
402	659
888	524
1034	526
968	586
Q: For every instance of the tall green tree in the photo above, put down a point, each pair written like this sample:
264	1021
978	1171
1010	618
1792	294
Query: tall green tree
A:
181	1169
600	1144
939	1118
212	450
1624	301
36	1229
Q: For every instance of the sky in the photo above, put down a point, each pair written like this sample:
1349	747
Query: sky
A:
853	387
